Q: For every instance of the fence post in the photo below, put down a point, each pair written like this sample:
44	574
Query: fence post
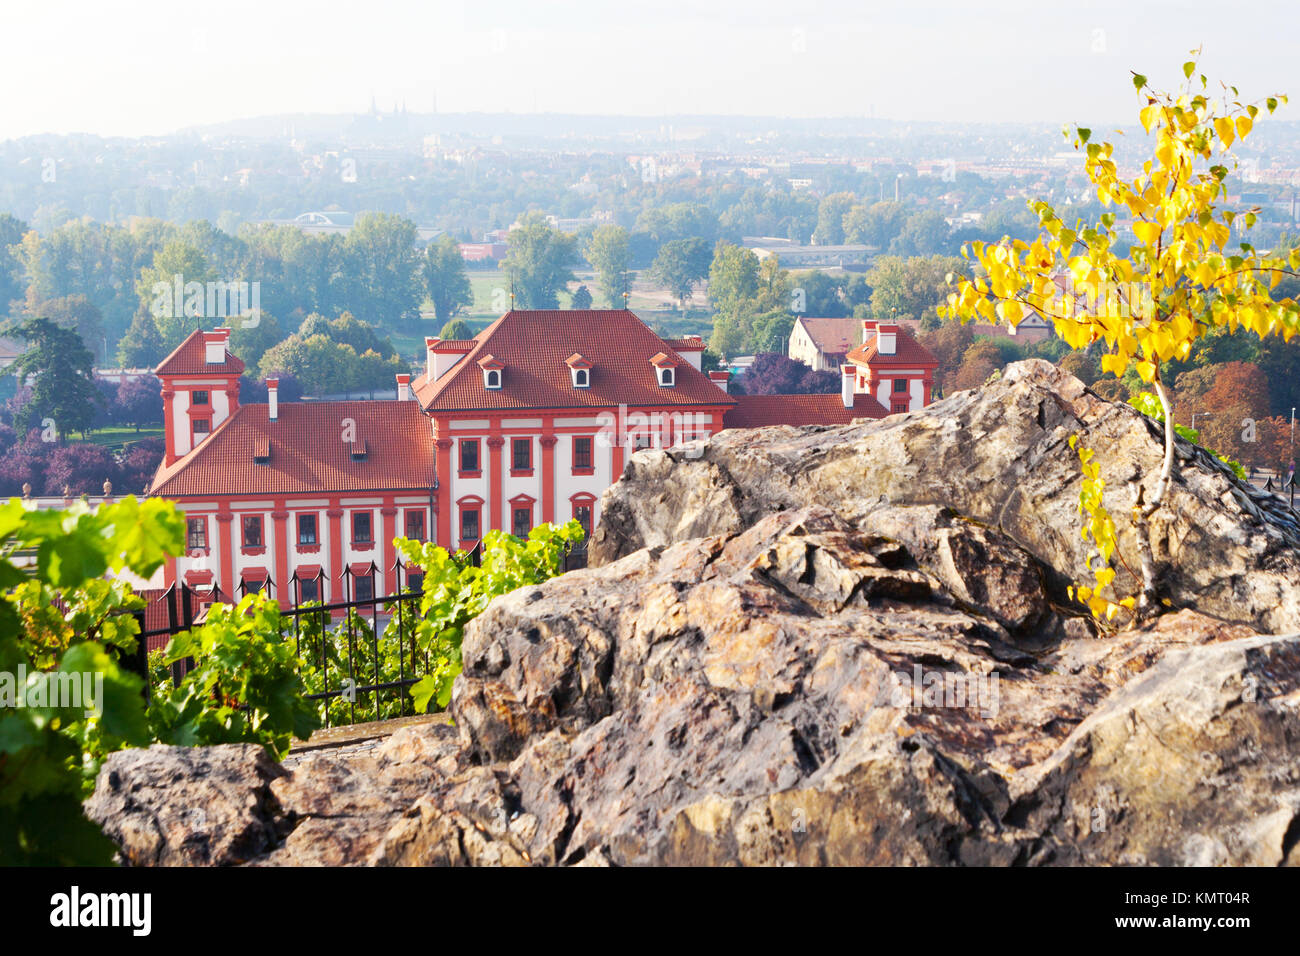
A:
138	663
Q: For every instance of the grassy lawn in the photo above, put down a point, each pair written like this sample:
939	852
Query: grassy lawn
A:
115	439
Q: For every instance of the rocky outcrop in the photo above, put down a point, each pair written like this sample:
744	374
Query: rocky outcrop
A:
830	666
999	455
188	806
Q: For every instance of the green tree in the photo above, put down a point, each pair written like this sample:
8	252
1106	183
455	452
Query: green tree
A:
11	268
326	367
79	313
830	219
456	329
821	294
539	263
250	342
580	298
874	225
923	234
774	287
679	220
913	286
380	258
142	346
608	254
63	382
680	264
175	316
445	278
347	329
733	278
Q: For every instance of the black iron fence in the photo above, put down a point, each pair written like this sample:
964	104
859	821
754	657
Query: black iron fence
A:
360	623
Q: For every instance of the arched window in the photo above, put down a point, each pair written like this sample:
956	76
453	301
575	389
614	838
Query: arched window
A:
584	509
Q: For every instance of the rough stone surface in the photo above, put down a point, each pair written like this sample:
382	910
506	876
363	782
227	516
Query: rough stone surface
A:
187	806
998	455
829	646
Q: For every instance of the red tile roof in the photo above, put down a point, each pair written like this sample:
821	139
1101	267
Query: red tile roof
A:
757	411
308	454
691	344
907	352
831	336
533	346
189	358
454	345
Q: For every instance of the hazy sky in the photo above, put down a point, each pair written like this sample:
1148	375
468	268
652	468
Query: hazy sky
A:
153	66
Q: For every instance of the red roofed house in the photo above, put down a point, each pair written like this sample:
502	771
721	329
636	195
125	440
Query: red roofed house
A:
528	422
892	366
822	343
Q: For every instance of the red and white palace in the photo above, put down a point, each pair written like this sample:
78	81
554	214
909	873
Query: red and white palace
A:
528	422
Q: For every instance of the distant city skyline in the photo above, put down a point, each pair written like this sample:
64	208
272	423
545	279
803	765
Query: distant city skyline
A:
74	67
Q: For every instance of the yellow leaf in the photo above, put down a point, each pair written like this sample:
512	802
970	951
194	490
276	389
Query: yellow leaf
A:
1223	126
1116	364
1011	312
1147	232
1243	126
1147	370
1148	116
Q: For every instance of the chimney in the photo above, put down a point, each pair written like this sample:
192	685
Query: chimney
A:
429	362
848	384
403	387
273	399
214	346
886	339
720	377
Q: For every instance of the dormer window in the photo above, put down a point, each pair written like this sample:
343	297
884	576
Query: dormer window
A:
491	371
665	369
579	370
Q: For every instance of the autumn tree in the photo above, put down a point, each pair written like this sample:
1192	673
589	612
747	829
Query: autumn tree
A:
948	343
1148	281
978	362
